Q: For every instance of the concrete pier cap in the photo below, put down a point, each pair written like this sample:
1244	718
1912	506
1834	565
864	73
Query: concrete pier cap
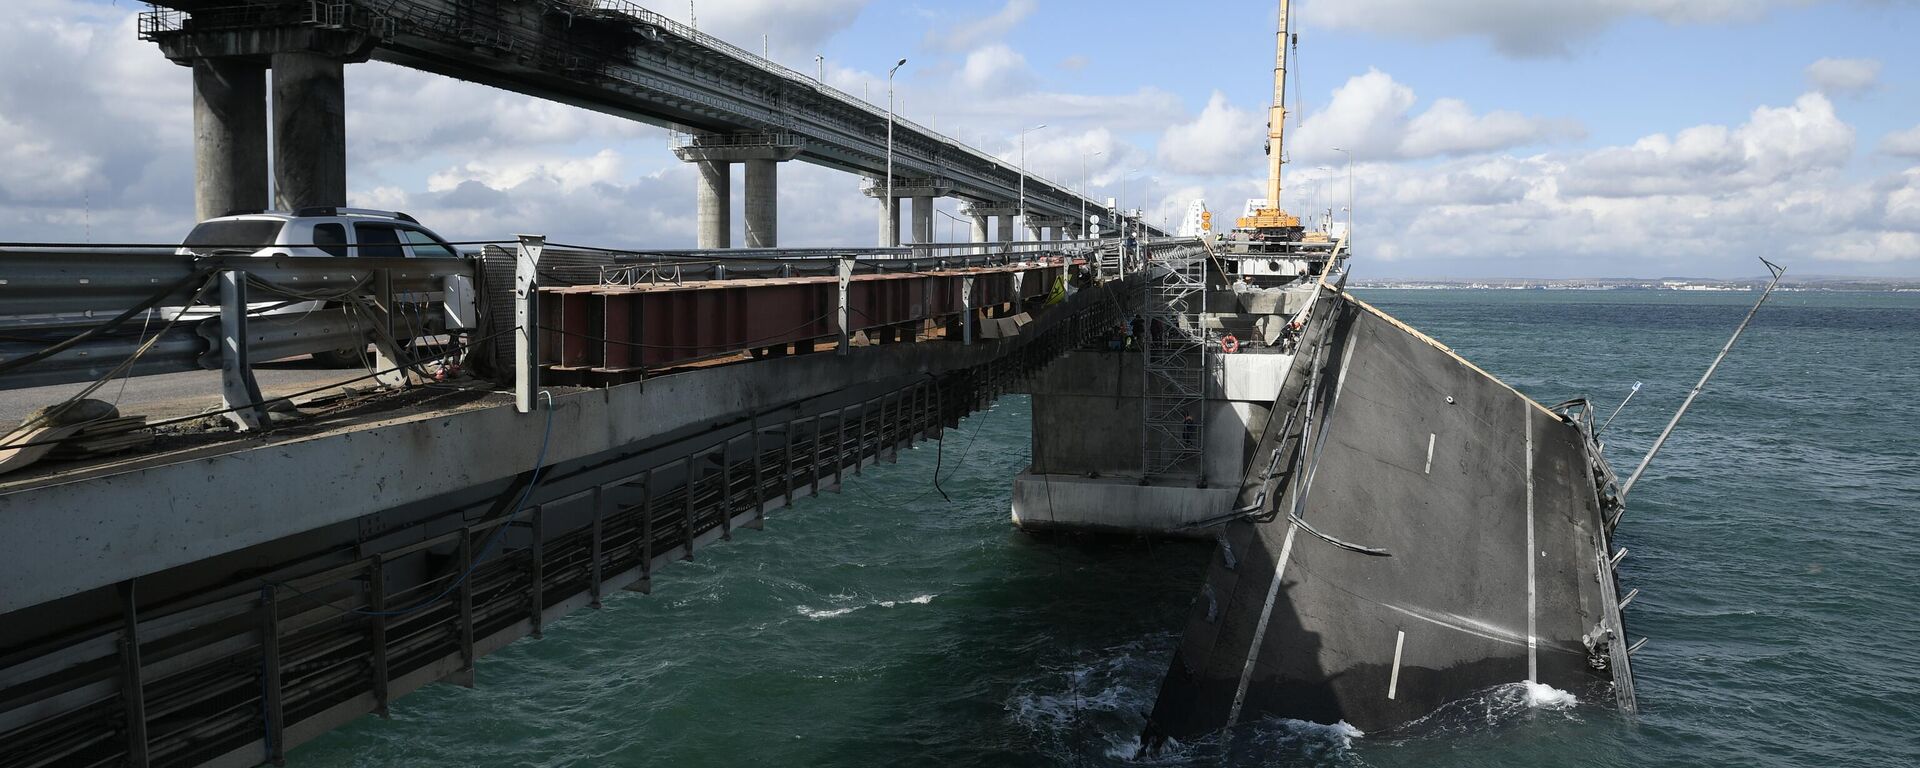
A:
924	191
1002	215
713	154
309	137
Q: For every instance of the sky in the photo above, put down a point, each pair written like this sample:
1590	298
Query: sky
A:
1488	138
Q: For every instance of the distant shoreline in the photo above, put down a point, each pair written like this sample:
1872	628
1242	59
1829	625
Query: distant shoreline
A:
1682	285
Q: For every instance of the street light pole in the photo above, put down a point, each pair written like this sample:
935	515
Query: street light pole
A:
1349	197
1083	189
1023	171
886	203
820	64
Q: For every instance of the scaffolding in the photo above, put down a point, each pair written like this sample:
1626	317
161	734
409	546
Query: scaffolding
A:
1173	391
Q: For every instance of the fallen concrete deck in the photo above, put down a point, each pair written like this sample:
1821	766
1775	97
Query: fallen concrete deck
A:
1490	562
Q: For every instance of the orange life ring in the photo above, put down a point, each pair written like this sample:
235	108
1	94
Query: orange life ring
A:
1229	344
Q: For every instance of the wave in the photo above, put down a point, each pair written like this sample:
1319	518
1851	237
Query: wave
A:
828	613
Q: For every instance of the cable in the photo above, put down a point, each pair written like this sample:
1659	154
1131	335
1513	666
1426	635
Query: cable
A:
125	365
302	393
145	304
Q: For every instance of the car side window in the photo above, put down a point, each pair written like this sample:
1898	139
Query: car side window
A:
331	238
378	241
424	245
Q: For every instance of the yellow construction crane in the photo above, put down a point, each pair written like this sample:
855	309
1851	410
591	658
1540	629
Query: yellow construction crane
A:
1270	217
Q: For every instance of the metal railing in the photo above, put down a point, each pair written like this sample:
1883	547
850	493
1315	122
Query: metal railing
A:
87	314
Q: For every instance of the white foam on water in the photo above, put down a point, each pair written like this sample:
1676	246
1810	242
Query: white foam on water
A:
1340	734
1546	696
828	613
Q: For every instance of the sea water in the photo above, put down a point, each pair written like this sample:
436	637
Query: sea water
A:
1774	544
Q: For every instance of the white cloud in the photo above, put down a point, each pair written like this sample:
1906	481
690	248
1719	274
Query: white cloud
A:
1699	201
1902	143
995	68
1776	143
1524	28
1450	128
968	35
1371	115
1843	76
1222	139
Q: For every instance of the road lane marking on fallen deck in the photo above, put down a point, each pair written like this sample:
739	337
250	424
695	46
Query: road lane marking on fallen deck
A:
1533	656
1393	682
1260	629
1429	469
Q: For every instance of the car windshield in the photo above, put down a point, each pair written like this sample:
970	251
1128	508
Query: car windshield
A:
238	234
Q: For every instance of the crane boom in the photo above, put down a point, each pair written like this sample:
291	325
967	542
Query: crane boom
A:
1277	118
1269	218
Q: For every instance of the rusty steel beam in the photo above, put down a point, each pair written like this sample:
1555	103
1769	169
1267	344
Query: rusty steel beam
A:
619	331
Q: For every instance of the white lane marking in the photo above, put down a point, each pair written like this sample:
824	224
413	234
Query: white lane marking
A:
1430	437
1393	683
1260	629
1533	656
1459	623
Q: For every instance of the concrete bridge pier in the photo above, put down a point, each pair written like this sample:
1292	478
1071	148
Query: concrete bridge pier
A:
923	191
309	130
923	219
713	204
890	222
229	136
1002	215
763	203
230	114
713	157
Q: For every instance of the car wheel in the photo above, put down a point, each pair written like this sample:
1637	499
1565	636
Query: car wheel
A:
342	358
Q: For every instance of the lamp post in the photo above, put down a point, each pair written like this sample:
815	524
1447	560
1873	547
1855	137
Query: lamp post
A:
1083	189
820	66
1123	195
1023	171
1120	216
1349	196
886	203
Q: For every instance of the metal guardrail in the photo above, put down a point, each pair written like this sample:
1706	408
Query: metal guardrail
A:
59	306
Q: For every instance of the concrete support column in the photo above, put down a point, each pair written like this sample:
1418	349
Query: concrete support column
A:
923	219
229	137
309	130
889	222
1004	228
713	196
763	203
979	228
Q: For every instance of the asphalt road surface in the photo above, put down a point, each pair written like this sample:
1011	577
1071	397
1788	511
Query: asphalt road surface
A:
181	394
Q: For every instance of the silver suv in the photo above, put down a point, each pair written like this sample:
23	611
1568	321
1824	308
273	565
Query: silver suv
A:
316	232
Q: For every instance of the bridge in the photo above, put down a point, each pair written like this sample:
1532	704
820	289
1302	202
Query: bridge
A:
553	424
727	106
169	606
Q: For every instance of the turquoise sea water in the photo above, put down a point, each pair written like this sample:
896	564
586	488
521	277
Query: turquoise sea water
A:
1774	544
